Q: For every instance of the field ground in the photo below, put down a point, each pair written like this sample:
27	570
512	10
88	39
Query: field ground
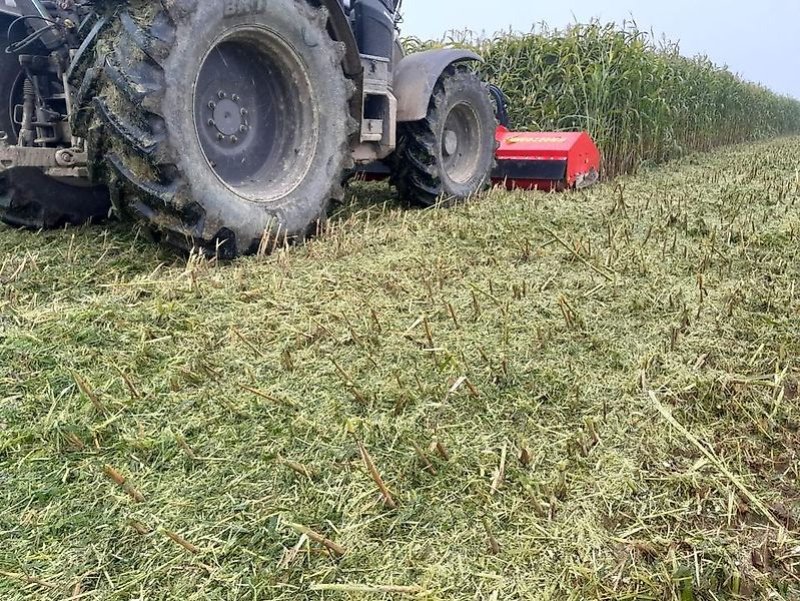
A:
585	396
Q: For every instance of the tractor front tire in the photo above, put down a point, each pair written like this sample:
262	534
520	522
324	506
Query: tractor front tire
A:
28	197
448	157
224	131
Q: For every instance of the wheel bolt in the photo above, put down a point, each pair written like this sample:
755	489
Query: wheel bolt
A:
212	105
244	112
234	139
235	98
243	128
222	95
211	123
220	137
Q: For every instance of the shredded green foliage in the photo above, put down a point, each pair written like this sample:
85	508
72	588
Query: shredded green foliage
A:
610	376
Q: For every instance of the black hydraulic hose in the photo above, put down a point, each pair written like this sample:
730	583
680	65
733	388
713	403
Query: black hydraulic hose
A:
501	104
36	11
36	36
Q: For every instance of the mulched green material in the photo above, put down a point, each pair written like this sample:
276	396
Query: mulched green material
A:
580	396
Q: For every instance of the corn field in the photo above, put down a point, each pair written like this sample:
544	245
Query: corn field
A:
641	99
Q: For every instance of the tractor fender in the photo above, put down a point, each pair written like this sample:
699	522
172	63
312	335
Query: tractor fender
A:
339	26
415	79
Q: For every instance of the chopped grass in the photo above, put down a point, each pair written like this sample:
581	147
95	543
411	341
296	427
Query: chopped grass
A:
581	396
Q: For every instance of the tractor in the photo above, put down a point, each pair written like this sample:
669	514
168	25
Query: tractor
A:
222	124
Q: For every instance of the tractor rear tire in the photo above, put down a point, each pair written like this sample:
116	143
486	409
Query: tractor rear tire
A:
28	197
225	131
448	156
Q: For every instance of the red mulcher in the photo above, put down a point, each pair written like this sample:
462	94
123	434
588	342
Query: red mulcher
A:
543	160
546	161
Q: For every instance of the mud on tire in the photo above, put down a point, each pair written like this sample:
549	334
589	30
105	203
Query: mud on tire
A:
219	130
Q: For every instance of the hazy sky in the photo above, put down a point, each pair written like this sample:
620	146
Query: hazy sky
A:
759	39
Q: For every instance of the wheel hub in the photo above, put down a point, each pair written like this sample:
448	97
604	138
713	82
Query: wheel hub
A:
227	117
450	145
461	143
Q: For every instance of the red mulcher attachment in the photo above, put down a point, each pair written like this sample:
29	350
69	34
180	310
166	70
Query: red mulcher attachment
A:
546	161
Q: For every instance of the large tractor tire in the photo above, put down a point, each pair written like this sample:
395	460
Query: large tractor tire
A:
448	156
29	198
223	130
